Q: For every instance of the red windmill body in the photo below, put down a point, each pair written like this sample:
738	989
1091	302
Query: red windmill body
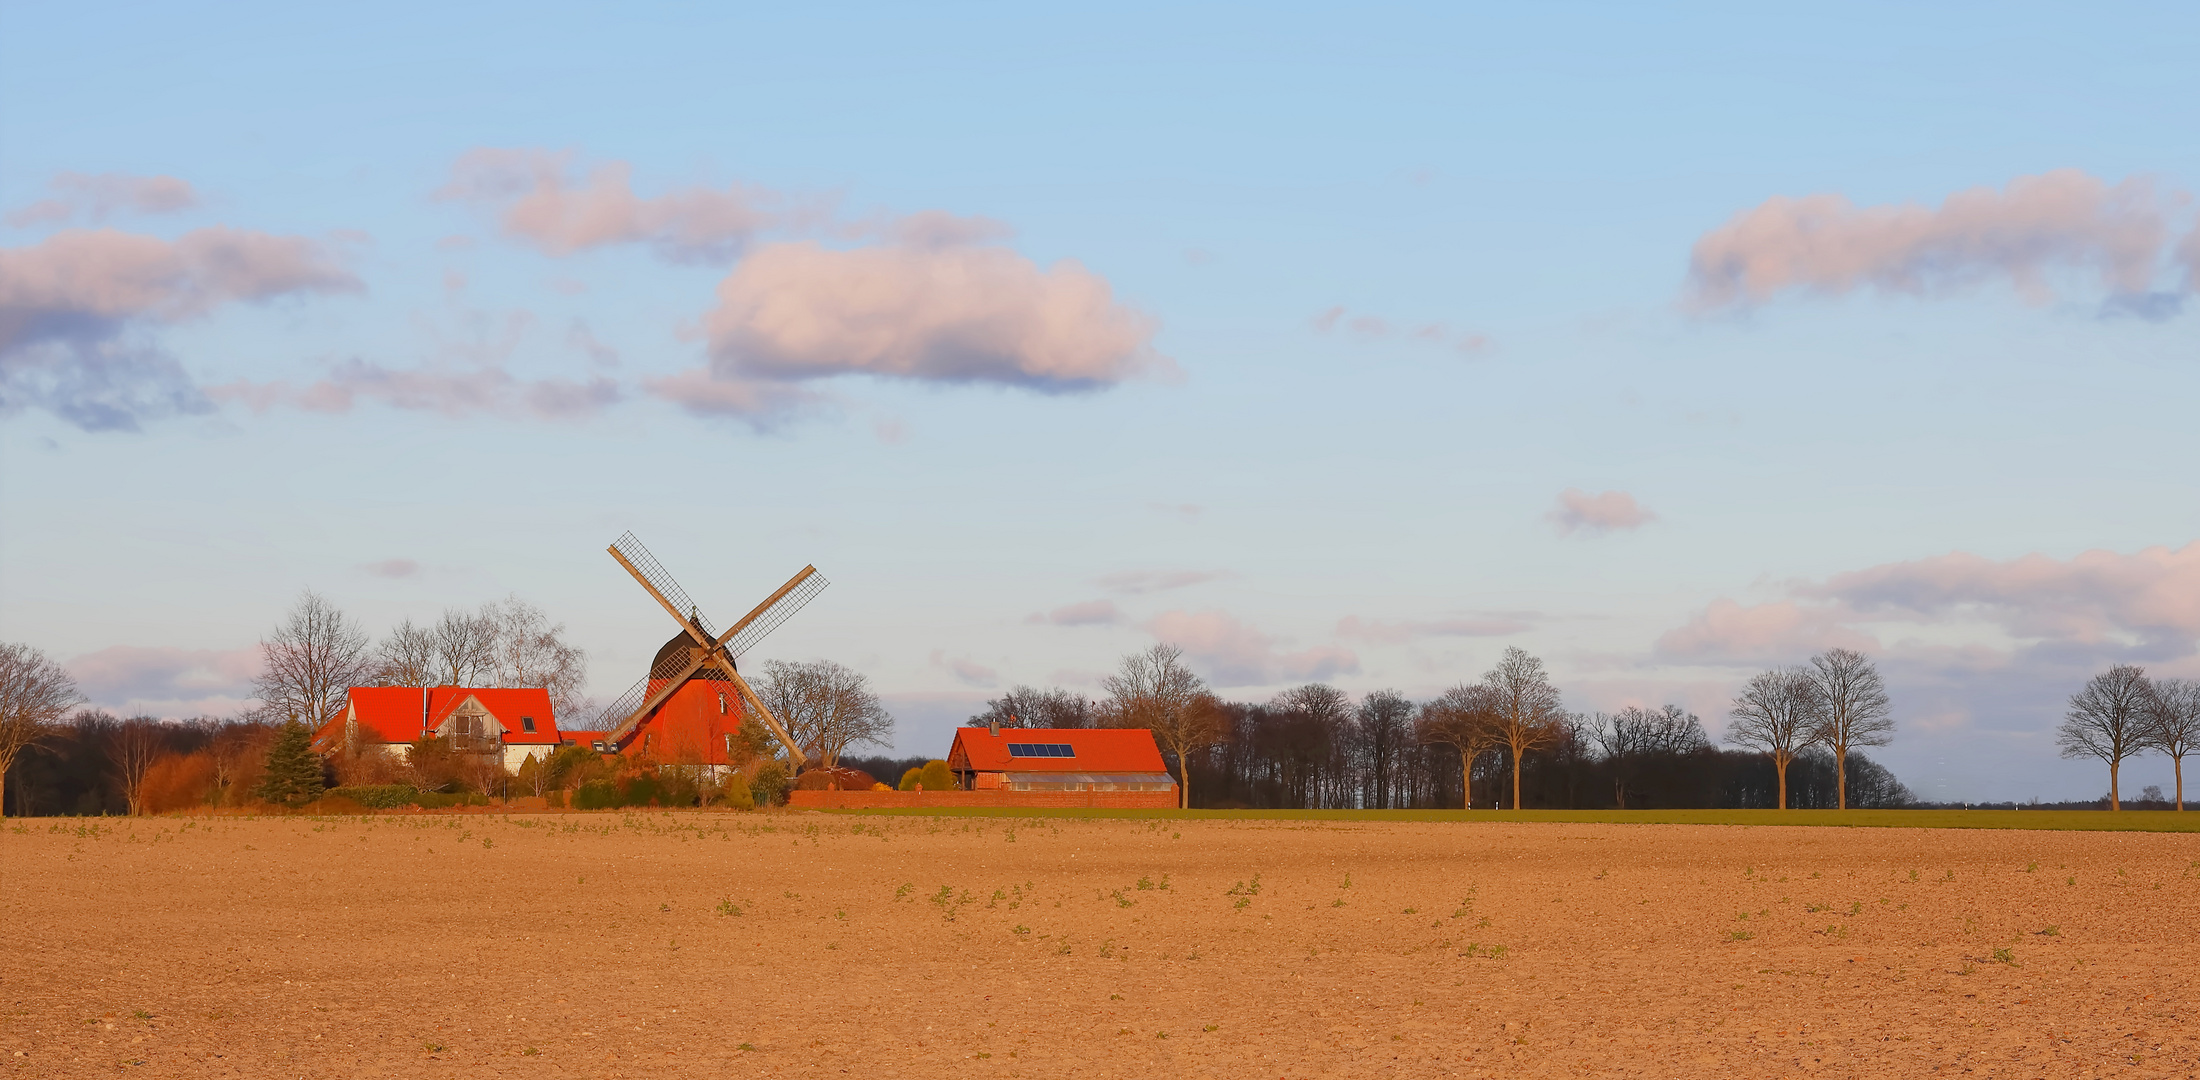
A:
690	707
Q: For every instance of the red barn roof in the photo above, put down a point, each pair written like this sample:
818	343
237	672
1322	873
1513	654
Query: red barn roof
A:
1089	750
400	714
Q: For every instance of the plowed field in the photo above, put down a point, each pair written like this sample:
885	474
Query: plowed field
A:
699	944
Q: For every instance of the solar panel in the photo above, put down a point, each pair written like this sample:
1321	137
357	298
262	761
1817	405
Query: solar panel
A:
1041	749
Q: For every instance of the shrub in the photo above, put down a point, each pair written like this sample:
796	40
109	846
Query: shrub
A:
379	796
735	794
910	779
769	785
597	795
642	791
177	781
555	800
937	777
677	787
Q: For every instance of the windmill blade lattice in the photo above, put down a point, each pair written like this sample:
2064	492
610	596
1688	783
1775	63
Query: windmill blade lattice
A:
629	546
777	609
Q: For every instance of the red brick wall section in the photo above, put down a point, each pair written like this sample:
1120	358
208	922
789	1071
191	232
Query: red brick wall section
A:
880	800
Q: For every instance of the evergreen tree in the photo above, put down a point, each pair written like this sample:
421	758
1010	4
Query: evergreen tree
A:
293	769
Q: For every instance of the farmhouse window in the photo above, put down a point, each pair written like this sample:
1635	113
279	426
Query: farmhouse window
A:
527	724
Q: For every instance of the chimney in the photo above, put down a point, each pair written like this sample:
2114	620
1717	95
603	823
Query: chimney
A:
995	724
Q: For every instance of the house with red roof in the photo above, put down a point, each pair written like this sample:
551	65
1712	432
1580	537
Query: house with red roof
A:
514	722
1058	759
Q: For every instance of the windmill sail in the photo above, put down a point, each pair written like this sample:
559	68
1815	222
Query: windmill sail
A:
776	609
629	547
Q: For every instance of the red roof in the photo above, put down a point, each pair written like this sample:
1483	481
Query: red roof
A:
395	713
1092	750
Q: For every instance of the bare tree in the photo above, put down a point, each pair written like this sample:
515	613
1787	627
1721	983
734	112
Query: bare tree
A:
2174	727
1635	733
825	707
35	693
407	657
1155	691
1315	718
2111	719
1386	731
316	655
1856	710
1528	715
1779	713
1026	707
526	649
1464	719
237	749
132	747
465	648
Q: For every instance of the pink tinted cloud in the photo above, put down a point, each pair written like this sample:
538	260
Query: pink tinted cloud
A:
166	681
1088	613
1235	654
1783	632
541	200
1392	632
392	568
2092	601
69	303
965	670
724	395
794	311
1376	328
450	391
101	196
1579	511
1824	244
1138	582
2152	592
109	276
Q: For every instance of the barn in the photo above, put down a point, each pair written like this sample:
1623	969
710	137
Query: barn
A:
515	722
1058	760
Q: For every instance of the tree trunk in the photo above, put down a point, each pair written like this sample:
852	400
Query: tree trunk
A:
1841	777
1780	768
1184	785
1466	782
2115	801
2178	764
1516	778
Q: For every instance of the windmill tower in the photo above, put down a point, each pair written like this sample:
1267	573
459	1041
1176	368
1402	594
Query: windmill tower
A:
693	698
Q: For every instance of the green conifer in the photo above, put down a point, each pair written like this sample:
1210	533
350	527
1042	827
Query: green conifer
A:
293	769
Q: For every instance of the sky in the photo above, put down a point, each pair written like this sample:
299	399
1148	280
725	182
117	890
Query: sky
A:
1347	343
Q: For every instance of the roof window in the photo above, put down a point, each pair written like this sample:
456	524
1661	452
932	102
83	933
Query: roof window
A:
1041	749
527	723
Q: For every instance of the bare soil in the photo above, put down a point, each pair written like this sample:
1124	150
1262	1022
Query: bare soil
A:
700	944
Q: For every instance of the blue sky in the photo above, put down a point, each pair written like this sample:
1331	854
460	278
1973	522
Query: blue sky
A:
1280	333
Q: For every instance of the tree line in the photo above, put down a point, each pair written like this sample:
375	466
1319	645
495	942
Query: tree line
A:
1797	735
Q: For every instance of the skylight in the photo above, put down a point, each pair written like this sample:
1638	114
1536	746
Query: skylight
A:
1041	749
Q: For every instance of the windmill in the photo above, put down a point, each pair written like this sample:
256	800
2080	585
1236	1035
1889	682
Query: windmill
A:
705	654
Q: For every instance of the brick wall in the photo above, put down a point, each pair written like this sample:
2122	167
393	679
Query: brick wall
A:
879	800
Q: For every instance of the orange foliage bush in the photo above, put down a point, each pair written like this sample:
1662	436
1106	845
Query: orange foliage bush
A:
178	782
